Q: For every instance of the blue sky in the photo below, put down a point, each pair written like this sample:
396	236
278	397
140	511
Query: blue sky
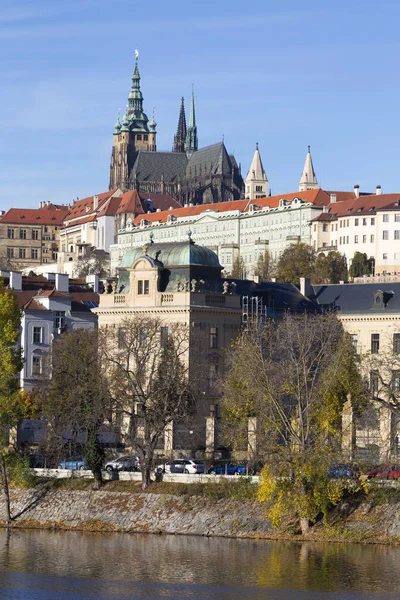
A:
284	74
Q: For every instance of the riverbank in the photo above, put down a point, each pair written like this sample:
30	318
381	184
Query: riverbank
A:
210	510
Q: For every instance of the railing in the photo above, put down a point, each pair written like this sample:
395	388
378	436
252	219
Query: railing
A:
119	298
167	298
215	299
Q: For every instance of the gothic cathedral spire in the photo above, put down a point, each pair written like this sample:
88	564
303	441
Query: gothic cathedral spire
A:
180	137
191	136
256	180
308	179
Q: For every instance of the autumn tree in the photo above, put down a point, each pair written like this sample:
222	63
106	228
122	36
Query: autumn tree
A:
147	370
238	268
265	268
360	265
76	401
295	261
294	377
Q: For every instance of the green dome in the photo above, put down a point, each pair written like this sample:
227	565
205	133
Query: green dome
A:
125	123
179	254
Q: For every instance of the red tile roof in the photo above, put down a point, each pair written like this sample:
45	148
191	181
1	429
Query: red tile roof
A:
130	203
364	205
49	215
80	208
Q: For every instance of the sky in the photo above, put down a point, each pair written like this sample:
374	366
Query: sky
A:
283	74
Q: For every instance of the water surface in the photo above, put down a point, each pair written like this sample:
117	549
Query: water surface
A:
41	565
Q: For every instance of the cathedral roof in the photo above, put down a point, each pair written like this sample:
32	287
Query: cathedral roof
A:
211	160
152	166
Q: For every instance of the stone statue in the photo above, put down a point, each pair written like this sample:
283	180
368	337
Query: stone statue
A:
193	284
225	287
233	287
177	285
114	287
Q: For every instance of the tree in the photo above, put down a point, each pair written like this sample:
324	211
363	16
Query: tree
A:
96	262
331	268
76	401
11	400
147	366
238	268
360	265
296	261
294	376
264	268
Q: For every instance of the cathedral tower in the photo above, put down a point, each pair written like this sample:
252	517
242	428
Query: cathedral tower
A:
134	133
256	180
180	137
308	179
191	136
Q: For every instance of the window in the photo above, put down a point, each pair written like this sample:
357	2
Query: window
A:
35	234
397	218
354	341
364	221
59	319
213	337
395	381
364	239
10	233
397	234
139	136
356	222
259	188
396	343
385	234
324	227
213	371
385	218
143	287
37	335
164	337
34	253
356	239
122	337
145	138
340	240
36	365
384	256
22	253
22	234
372	238
372	220
10	252
347	239
374	343
374	383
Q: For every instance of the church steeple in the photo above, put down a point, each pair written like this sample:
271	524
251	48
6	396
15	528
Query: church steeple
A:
256	180
191	136
180	137
308	179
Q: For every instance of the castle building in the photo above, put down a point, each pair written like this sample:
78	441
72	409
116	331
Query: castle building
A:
204	176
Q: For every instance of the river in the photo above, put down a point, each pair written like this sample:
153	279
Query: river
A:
42	565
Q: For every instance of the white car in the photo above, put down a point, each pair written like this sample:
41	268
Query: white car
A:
182	465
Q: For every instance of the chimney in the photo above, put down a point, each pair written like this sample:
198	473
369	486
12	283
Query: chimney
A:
305	286
378	190
95	202
93	282
333	198
357	191
16	281
50	276
62	282
158	210
325	209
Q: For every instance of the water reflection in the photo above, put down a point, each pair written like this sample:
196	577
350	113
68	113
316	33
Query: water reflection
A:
41	565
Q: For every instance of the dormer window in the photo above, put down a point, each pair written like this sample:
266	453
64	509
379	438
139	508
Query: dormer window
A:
143	287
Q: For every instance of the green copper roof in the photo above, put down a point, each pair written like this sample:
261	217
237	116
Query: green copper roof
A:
179	254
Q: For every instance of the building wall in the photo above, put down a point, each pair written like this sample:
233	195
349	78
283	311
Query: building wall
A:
29	245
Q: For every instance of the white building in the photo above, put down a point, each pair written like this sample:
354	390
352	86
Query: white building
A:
368	224
50	306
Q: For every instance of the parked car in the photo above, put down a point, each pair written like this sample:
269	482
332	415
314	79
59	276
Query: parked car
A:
184	465
74	463
227	469
340	471
123	463
384	473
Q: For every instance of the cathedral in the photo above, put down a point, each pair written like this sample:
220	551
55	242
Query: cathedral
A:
188	174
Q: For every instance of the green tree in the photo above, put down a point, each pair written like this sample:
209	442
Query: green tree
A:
296	261
76	402
12	405
330	268
264	268
360	265
294	377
